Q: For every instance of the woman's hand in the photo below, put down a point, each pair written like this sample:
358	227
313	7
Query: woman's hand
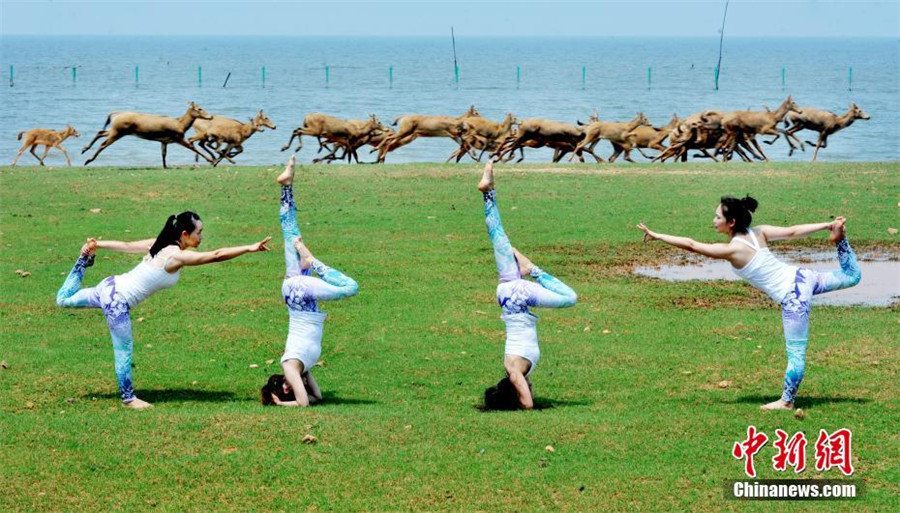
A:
648	235
276	400
260	246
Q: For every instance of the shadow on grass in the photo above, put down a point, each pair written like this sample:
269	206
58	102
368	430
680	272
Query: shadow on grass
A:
540	403
329	398
801	402
174	396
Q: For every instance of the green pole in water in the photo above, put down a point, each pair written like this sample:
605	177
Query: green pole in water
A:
649	77
717	78
850	78
136	76
199	76
456	75
390	77
264	76
518	76
583	76
782	78
74	74
10	75
327	79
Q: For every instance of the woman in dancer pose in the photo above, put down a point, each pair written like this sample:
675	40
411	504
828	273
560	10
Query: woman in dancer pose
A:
302	292
159	269
515	295
748	253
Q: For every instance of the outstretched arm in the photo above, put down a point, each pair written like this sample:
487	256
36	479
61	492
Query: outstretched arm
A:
188	258
138	246
717	250
794	232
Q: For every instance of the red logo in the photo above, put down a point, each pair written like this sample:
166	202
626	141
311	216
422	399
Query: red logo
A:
834	451
748	448
790	452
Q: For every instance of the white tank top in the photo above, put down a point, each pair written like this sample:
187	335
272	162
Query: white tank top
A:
521	329
141	282
766	272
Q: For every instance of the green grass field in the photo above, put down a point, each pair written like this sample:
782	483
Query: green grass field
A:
627	378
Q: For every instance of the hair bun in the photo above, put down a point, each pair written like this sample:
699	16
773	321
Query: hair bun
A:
749	203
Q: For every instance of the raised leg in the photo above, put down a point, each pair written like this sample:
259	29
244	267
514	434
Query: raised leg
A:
507	269
19	154
100	134
287	214
71	295
849	273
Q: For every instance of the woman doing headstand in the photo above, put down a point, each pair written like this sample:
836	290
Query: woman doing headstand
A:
514	296
302	292
160	269
792	287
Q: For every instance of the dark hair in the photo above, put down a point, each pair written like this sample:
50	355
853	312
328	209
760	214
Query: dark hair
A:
171	232
501	396
740	211
275	385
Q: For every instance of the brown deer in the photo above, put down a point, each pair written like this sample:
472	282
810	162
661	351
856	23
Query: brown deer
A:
413	126
750	123
483	134
317	125
615	133
212	134
651	137
537	133
47	138
822	121
162	129
356	134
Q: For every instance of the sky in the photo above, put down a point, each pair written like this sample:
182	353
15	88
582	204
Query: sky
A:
749	18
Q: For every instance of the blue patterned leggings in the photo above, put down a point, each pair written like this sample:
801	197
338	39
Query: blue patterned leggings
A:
795	311
514	294
300	289
118	318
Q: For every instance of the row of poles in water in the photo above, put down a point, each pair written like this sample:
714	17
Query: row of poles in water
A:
391	76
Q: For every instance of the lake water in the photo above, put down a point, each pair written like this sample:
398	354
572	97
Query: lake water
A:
551	85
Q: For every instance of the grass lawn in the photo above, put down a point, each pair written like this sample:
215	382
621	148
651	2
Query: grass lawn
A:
628	378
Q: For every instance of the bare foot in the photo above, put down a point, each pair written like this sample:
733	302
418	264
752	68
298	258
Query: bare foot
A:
89	248
287	176
306	256
525	265
777	405
837	230
138	404
487	179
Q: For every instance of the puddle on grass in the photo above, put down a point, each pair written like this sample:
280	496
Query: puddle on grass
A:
879	286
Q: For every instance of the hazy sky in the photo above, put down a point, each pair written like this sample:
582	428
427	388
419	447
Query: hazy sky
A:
805	18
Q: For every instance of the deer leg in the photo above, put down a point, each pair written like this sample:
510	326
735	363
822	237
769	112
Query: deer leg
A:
113	137
46	151
822	143
68	160
100	134
36	155
182	142
163	149
758	148
19	154
291	140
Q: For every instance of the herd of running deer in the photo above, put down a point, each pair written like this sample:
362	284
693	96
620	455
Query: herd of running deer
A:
713	134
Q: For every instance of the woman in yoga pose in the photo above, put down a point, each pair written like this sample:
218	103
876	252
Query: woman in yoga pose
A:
302	292
160	268
748	253
515	295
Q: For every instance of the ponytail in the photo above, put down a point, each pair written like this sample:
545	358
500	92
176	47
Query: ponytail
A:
740	211
172	230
